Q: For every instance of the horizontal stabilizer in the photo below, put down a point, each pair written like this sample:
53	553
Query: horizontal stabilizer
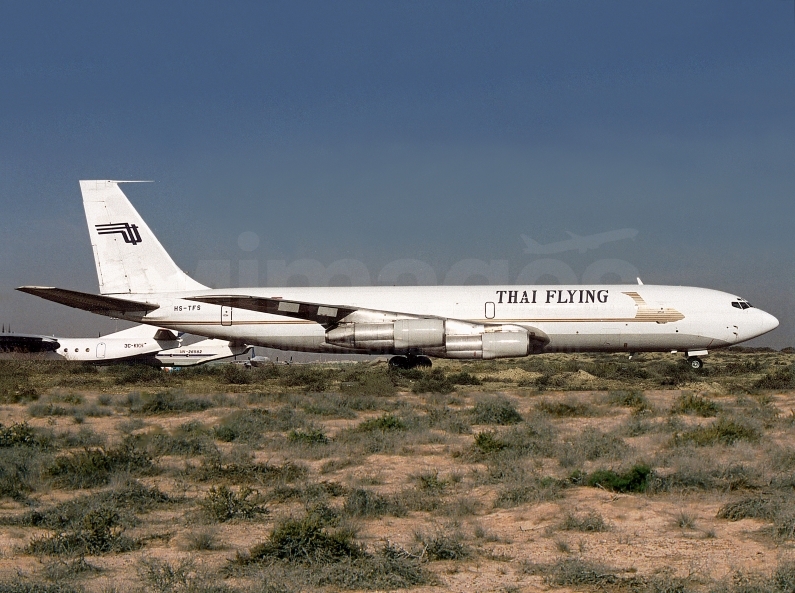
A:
322	314
93	303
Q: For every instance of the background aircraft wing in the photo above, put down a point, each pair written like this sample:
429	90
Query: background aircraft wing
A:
28	343
87	302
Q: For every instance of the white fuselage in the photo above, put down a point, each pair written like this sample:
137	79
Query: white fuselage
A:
603	318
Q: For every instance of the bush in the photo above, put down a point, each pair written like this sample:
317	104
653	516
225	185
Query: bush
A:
778	379
305	541
249	426
568	408
368	383
20	471
528	490
125	498
366	503
23	435
94	467
724	430
311	436
15	383
385	423
497	410
433	381
99	532
444	547
487	443
760	506
629	399
592	444
167	402
222	504
463	378
687	403
636	479
591	522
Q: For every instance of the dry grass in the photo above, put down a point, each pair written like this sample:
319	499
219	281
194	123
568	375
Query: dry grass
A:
572	471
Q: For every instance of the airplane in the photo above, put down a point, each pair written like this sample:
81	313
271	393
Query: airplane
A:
142	343
138	281
577	242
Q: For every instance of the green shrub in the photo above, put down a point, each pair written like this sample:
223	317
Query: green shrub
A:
235	374
90	468
305	541
688	403
23	435
568	408
250	426
629	399
575	572
99	532
463	378
433	381
125	498
778	379
528	490
487	442
369	383
496	410
444	547
21	469
213	470
222	504
759	506
311	436
366	503
167	402
15	383
591	522
134	374
636	479
385	423
724	430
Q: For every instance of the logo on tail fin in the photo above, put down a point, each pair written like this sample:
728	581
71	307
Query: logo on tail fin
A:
128	231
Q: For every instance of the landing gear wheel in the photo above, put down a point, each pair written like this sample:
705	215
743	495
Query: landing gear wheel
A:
420	361
695	363
399	362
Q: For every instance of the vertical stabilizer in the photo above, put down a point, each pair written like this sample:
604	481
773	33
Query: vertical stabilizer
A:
128	256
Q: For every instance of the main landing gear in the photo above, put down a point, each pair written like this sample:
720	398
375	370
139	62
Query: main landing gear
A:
410	362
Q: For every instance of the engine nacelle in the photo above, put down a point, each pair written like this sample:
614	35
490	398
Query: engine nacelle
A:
488	345
402	335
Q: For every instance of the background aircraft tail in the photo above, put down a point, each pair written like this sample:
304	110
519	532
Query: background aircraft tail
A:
128	256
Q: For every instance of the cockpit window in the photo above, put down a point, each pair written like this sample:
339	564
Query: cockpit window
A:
742	304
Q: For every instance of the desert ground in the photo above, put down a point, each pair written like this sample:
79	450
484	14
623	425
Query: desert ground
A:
570	472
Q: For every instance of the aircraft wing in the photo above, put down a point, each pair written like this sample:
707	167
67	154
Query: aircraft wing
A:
325	315
28	343
94	303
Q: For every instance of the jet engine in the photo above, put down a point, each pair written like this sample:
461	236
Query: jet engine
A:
439	337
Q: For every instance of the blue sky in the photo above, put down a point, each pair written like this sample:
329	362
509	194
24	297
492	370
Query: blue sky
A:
381	131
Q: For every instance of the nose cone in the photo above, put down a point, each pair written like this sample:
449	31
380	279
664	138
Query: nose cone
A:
767	322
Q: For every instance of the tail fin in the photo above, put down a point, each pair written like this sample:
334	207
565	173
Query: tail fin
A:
129	258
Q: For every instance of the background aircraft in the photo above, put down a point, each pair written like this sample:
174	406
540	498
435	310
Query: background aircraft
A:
153	345
577	242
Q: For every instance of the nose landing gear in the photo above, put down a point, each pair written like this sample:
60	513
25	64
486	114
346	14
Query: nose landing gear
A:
695	363
410	362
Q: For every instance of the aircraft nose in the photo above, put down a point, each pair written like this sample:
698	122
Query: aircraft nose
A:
767	322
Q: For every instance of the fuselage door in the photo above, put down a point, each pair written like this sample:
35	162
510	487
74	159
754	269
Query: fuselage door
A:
226	315
101	350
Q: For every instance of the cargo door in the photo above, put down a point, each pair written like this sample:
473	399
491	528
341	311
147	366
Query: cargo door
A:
101	350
